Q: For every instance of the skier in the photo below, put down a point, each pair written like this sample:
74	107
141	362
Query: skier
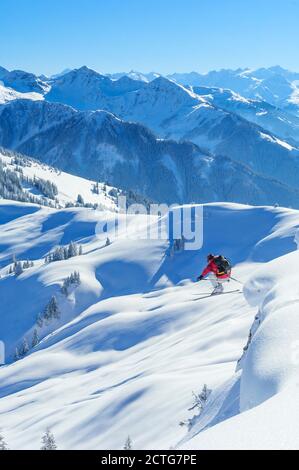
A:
219	271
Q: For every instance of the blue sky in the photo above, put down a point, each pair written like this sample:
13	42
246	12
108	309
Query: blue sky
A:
160	35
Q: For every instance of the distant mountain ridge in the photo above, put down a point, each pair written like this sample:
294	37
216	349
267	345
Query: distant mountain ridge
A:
275	85
98	145
168	141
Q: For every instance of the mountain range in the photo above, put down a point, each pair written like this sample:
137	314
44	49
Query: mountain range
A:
170	142
105	333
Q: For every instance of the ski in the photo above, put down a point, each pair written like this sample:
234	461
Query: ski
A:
216	295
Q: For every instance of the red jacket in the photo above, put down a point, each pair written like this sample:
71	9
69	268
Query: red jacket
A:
213	268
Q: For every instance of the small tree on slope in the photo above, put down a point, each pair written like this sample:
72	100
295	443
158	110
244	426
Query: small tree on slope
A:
3	445
35	338
199	402
51	310
128	444
24	347
48	441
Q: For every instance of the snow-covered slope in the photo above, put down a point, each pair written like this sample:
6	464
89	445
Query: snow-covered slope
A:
9	94
67	187
267	380
132	341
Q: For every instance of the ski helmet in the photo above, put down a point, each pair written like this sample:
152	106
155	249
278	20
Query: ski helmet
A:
210	257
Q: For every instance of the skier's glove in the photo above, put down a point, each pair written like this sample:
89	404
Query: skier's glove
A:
200	278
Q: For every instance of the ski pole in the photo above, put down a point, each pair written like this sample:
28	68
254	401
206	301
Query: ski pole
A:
234	279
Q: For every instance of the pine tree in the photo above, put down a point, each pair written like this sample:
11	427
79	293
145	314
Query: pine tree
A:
17	354
73	279
128	444
48	441
26	264
200	399
40	320
54	310
3	445
64	287
95	188
35	338
18	268
77	278
80	250
72	250
199	402
80	200
24	347
205	393
66	253
51	310
58	254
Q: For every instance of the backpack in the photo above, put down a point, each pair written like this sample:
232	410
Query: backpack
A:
223	265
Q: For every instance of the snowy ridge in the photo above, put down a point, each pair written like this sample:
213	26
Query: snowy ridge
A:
9	94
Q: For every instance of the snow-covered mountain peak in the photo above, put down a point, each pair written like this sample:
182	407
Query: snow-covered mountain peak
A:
165	85
24	82
86	89
80	77
101	118
135	75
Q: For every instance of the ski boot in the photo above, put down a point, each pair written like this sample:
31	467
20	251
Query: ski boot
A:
218	289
